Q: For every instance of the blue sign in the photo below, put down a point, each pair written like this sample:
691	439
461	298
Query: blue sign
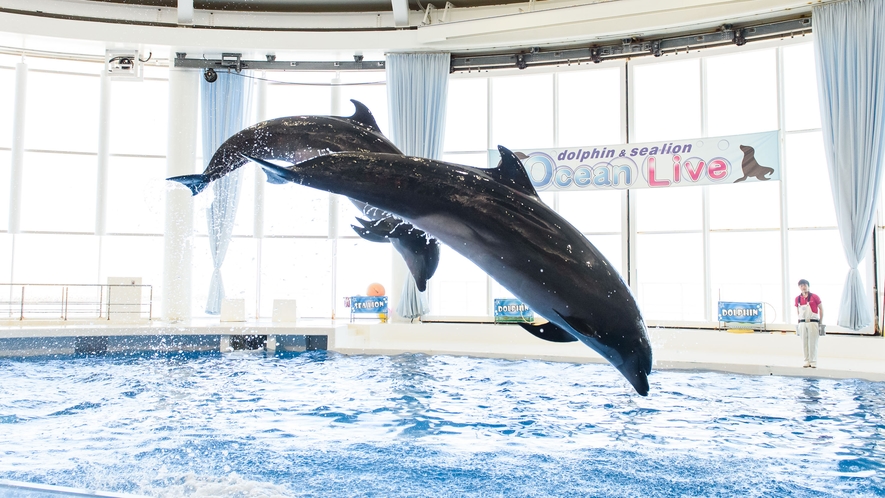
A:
368	304
512	311
740	312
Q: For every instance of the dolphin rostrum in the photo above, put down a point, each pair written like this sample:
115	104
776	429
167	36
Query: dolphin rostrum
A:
298	138
495	218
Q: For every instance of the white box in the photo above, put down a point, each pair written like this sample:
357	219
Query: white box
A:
284	310
124	295
233	310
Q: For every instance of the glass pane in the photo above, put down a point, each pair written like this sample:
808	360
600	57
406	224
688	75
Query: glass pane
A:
295	210
7	105
666	100
299	100
598	211
746	205
56	259
5	166
742	93
62	112
522	111
136	195
669	209
361	263
467	114
670	270
801	107
737	277
458	288
299	269
133	256
139	117
374	96
58	193
475	160
590	107
809	198
817	256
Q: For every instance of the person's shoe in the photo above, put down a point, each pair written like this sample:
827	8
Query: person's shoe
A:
814	365
806	365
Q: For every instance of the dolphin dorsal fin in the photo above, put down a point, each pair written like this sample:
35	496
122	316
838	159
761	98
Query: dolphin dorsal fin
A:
512	173
364	116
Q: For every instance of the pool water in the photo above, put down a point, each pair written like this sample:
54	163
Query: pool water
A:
324	424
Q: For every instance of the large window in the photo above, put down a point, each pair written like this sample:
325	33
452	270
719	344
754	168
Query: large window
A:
683	249
689	247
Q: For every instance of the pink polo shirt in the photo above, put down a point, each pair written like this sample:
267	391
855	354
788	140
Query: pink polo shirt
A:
813	300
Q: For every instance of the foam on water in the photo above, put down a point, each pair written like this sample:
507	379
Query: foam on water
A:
321	424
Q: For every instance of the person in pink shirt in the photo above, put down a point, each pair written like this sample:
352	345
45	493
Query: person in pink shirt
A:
811	314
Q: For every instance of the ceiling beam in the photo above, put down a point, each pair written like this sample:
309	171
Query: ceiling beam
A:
400	12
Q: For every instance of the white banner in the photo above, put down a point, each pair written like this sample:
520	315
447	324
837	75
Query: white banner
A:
702	161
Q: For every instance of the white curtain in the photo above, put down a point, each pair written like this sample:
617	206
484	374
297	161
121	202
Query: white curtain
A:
849	48
417	85
224	105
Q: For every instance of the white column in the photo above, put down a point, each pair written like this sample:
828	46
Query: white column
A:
181	158
18	148
104	131
333	199
258	213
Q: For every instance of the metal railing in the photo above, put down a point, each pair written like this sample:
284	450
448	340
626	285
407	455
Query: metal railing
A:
80	301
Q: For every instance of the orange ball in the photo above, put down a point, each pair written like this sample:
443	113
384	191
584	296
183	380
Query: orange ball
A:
375	289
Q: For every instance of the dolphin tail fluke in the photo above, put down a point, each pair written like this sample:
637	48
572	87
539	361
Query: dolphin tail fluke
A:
197	183
275	174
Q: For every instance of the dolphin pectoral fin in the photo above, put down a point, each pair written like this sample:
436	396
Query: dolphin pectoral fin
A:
549	332
275	174
741	179
274	179
364	116
197	183
369	235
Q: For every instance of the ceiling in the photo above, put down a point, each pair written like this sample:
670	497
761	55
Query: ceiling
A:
306	6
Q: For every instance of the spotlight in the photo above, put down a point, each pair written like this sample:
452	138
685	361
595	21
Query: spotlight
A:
210	75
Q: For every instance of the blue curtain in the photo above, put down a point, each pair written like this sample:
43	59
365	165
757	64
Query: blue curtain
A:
849	48
417	85
223	105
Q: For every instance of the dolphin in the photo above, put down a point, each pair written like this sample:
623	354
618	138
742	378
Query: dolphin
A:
495	218
297	138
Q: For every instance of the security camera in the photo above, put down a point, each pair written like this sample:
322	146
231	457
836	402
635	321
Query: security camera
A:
210	75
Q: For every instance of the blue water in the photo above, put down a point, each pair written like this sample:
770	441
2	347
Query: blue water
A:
323	424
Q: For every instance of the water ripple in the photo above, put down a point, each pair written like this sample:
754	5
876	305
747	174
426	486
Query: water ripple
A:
418	425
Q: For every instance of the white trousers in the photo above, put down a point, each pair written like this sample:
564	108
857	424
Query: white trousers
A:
809	333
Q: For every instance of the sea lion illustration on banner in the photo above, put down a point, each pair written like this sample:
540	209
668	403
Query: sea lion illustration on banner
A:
495	218
752	168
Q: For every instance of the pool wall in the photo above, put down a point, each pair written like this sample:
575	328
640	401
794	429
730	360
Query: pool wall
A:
775	353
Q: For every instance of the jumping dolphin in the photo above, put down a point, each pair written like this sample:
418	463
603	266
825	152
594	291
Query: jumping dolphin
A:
495	218
298	138
750	167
